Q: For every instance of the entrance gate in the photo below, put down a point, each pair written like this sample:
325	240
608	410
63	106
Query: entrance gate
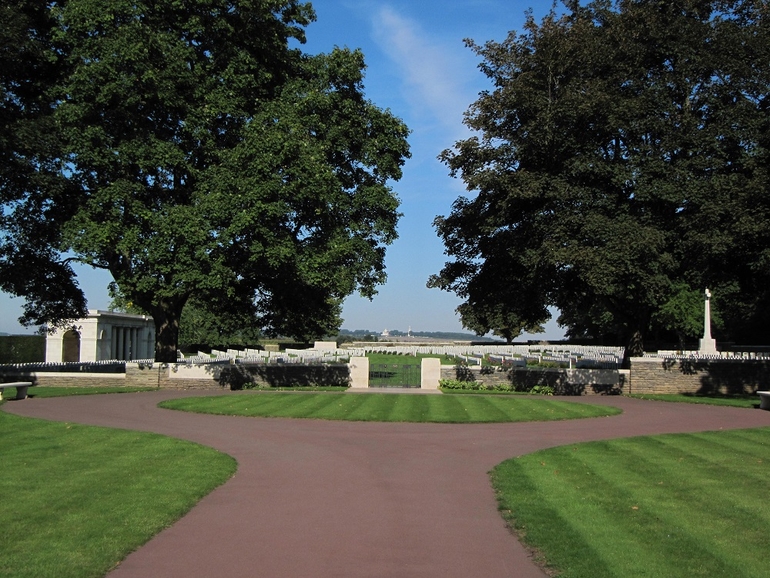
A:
394	375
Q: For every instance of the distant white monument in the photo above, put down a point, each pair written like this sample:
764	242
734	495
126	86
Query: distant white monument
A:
707	344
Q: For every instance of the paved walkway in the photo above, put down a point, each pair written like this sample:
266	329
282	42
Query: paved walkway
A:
340	499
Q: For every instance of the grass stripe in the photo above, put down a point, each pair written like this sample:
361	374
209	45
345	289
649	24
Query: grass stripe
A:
390	407
668	506
77	499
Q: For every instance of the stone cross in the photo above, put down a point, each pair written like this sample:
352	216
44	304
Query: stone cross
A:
707	344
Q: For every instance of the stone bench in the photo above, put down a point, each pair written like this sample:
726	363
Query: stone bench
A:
21	388
764	399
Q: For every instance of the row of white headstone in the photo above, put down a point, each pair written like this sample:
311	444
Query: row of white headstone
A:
575	356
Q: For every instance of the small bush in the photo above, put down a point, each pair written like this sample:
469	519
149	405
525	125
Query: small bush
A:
22	348
458	384
463	372
473	385
541	390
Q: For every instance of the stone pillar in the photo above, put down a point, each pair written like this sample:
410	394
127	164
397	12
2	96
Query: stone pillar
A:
89	329
119	342
135	345
359	372
54	347
126	331
430	372
707	344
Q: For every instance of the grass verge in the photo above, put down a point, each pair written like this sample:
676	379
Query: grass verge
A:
301	388
712	399
447	391
46	391
78	499
663	506
390	407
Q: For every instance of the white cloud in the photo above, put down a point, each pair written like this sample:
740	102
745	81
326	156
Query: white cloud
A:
437	76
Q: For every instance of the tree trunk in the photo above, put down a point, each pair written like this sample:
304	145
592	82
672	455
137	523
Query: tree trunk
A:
166	316
634	347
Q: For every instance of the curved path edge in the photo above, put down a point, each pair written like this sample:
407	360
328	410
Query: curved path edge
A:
334	499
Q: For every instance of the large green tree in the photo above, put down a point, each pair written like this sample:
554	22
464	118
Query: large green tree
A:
34	195
204	156
619	164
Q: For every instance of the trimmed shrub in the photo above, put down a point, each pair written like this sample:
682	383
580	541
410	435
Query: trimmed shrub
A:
541	390
22	348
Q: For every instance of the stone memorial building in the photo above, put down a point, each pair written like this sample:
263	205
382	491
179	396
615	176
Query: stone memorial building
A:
103	335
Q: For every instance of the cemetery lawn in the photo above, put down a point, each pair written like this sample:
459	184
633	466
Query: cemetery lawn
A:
711	399
389	407
399	359
46	391
664	506
78	499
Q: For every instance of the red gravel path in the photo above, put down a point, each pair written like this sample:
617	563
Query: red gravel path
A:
336	499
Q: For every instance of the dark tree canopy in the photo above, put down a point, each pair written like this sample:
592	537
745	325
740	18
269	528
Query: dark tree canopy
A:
620	167
196	154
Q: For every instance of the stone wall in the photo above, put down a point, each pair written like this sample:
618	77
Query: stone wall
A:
218	376
145	374
563	381
650	375
183	376
58	379
647	375
326	374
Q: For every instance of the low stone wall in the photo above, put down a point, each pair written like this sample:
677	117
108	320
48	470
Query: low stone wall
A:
668	376
183	376
227	376
145	374
563	381
58	379
326	374
647	375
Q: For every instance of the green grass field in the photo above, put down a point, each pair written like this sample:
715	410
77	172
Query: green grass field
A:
77	499
384	358
715	399
45	391
390	407
664	506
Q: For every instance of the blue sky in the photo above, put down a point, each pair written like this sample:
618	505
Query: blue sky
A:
419	68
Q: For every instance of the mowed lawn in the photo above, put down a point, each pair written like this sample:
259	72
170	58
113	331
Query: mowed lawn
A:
390	407
708	399
667	506
77	499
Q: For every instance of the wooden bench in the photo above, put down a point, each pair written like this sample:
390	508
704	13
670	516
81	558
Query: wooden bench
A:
21	388
764	399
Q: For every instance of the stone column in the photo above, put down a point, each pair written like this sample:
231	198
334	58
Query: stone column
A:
54	347
707	344
359	372
430	372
